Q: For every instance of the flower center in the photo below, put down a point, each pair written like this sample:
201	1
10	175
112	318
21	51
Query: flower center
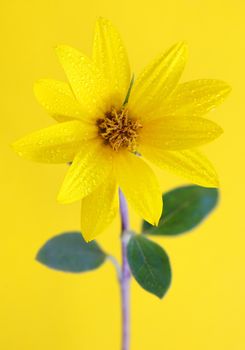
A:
119	130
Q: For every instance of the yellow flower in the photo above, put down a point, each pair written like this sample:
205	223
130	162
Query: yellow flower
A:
108	137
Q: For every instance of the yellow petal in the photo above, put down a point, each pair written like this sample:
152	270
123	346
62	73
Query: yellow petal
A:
190	164
140	186
59	100
110	56
89	169
99	208
87	85
157	81
176	133
56	144
195	98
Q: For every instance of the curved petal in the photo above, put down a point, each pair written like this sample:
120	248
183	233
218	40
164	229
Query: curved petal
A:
190	164
195	98
176	133
88	87
89	169
110	56
59	100
157	81
99	208
56	144
140	186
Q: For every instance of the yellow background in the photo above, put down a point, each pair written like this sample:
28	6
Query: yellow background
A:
44	309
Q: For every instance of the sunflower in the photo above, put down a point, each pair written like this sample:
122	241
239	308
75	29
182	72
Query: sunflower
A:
110	128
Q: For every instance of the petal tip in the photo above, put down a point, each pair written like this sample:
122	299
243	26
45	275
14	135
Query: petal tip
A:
212	182
182	44
60	48
87	236
215	130
182	47
103	23
16	146
154	221
220	130
157	219
37	87
227	89
62	198
156	216
215	183
102	20
57	47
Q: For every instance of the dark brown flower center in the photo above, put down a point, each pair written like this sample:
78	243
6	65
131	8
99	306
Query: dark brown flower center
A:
118	130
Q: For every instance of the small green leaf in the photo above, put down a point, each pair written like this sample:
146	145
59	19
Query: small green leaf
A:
129	91
69	252
149	265
184	208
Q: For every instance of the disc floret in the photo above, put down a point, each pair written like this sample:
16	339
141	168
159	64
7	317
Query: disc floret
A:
119	130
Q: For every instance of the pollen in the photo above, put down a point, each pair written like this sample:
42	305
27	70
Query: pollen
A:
119	130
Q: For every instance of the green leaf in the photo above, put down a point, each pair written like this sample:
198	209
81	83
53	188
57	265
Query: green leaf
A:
129	91
184	208
69	252
149	265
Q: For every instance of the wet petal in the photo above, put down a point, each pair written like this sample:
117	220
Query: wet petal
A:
195	98
99	208
190	164
89	169
87	85
59	100
176	133
157	81
110	56
140	186
56	144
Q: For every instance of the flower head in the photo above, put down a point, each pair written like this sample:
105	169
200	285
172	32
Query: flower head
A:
109	126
